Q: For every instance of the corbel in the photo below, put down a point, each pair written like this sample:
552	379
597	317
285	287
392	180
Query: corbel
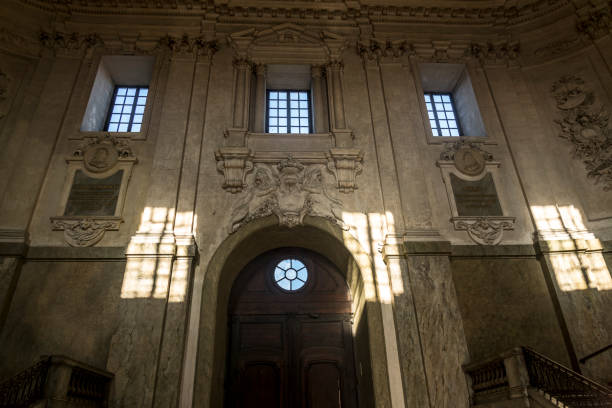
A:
234	163
345	164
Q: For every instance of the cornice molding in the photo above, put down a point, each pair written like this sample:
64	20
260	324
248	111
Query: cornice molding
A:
481	13
498	52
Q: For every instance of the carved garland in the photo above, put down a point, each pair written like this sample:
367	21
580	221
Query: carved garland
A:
586	127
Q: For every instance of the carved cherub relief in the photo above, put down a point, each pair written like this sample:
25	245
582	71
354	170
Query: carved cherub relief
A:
289	190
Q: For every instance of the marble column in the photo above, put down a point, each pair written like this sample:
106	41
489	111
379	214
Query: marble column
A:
149	337
260	99
334	78
320	117
429	283
170	384
241	93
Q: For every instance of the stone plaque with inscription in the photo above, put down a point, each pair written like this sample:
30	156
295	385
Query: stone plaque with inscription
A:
93	196
476	198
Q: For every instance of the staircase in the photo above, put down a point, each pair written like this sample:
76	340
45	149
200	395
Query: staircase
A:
522	377
57	381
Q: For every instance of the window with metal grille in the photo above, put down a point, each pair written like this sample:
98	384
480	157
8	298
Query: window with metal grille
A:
127	109
288	112
442	115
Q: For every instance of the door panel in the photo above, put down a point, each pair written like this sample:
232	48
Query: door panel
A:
291	349
260	386
323	386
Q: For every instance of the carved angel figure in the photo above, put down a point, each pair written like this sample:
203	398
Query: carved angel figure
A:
288	190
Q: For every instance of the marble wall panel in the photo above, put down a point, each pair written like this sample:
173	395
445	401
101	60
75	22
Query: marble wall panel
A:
8	272
441	330
63	307
505	303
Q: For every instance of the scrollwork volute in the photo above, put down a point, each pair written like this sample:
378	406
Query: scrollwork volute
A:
585	126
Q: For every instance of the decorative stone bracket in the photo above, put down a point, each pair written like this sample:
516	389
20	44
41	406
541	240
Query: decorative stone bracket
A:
234	163
345	164
85	231
484	230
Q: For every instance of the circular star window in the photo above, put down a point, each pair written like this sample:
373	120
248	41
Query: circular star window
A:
290	274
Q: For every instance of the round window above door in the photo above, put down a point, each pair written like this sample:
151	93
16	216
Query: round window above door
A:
290	274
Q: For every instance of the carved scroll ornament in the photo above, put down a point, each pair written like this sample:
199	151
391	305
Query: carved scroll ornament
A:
586	127
84	232
289	190
484	230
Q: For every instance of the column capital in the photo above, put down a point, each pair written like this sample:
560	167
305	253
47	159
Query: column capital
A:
260	69
242	63
316	71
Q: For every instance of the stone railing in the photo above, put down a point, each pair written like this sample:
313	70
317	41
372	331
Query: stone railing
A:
58	381
521	374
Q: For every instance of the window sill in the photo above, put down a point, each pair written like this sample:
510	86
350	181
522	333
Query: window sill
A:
446	139
289	142
122	135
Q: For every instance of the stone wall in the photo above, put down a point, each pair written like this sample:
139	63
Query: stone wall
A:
140	291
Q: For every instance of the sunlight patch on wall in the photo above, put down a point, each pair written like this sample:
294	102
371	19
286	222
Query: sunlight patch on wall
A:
151	256
366	235
146	277
395	268
575	252
156	220
359	246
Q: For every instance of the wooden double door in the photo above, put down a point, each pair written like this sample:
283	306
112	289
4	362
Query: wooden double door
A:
291	340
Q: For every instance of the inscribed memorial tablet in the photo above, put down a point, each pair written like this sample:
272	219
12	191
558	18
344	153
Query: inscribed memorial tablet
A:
92	196
476	198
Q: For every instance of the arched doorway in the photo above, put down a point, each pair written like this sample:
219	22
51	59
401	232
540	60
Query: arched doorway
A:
290	342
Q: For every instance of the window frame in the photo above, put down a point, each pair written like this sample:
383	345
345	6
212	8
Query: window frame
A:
133	111
288	117
454	110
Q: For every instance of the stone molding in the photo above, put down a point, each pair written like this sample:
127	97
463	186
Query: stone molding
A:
484	230
286	42
85	231
498	52
487	13
71	45
289	190
189	47
585	126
